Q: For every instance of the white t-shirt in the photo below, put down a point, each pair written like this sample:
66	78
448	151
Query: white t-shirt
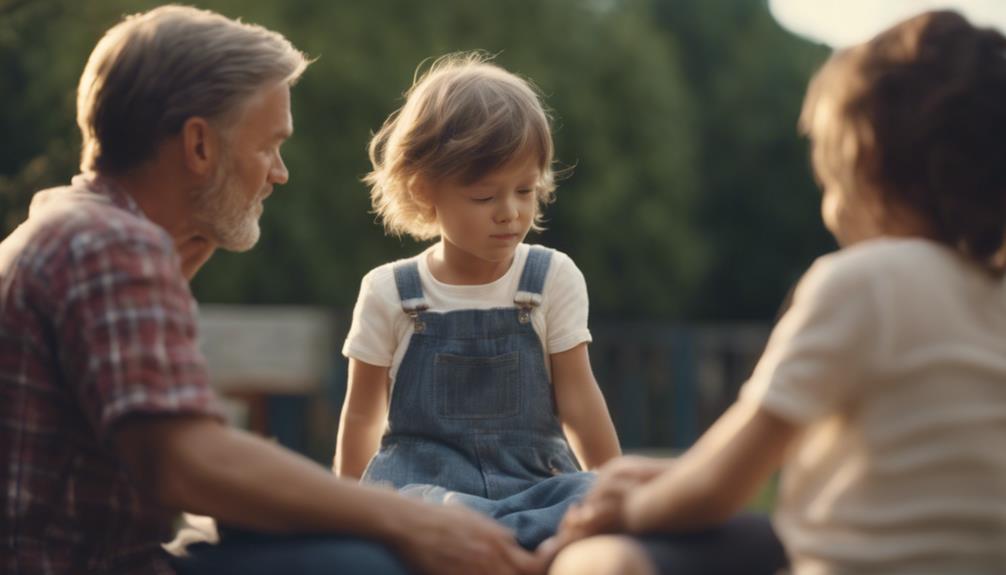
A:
380	332
893	360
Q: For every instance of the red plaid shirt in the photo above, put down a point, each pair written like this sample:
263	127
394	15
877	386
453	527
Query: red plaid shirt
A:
96	323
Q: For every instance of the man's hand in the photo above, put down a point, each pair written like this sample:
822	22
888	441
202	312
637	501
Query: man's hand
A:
453	540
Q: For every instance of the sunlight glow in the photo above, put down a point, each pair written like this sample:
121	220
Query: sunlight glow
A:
840	23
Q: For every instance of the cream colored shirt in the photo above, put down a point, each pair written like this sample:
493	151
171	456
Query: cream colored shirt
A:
380	332
893	360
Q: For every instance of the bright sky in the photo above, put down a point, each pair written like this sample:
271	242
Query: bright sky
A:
840	23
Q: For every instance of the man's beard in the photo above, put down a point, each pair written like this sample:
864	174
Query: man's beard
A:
224	213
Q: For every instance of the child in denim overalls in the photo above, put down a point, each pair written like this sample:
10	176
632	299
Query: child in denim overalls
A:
468	362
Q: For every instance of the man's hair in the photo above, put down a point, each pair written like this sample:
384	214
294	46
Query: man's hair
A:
153	71
917	116
462	119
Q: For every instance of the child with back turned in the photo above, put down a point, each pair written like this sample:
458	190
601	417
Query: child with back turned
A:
468	365
882	392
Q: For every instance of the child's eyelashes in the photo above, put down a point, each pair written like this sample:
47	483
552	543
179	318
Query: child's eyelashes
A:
482	199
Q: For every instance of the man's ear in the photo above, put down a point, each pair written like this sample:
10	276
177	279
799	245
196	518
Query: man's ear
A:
200	146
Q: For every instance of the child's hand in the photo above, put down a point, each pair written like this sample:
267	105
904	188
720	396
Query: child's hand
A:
581	521
601	511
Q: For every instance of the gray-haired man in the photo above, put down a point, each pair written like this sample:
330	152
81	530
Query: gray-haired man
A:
107	423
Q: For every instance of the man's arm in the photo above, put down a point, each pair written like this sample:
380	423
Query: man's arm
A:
199	465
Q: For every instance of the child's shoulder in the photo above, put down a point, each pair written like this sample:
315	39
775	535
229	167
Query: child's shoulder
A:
381	279
387	269
559	259
562	269
888	254
882	260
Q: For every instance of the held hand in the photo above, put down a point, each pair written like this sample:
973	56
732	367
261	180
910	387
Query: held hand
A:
603	515
602	510
451	540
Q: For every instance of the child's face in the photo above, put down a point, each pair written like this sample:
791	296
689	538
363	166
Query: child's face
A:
847	216
488	218
859	216
833	212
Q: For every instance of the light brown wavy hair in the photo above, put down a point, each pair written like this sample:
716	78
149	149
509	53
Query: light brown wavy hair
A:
463	118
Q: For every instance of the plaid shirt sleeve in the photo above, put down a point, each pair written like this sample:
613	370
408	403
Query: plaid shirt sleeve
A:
127	327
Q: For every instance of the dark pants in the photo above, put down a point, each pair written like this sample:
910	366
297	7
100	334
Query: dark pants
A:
257	554
744	545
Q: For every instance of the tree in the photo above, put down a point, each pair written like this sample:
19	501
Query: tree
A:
689	195
623	122
758	205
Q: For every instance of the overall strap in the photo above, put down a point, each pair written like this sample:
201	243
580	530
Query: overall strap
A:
410	291
532	281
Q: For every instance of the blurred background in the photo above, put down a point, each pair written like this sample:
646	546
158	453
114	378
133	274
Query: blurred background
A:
690	208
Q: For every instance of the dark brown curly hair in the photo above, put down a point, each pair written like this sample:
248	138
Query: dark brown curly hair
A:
917	115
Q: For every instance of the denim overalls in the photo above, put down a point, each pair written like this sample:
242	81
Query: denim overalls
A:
472	416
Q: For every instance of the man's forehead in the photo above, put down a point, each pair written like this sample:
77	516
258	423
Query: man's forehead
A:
268	112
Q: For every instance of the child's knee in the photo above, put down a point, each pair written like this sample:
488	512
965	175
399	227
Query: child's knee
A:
603	555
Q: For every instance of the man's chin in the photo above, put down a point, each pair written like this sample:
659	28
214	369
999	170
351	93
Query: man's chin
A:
241	243
243	246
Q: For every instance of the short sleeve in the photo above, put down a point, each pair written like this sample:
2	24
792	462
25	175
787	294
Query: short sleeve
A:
127	328
567	304
371	337
823	345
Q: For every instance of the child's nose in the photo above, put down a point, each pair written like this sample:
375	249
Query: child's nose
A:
507	211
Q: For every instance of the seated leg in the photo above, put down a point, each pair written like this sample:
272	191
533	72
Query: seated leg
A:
604	555
745	545
259	554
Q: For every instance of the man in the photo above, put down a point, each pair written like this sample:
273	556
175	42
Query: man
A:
107	424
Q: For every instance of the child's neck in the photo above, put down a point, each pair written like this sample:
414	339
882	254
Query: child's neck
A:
453	266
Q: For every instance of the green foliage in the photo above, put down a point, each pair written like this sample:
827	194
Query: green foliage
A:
759	206
689	195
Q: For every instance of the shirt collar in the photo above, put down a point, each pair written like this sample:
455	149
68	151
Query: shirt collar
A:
107	189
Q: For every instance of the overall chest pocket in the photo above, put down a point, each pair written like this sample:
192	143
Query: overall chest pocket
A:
477	387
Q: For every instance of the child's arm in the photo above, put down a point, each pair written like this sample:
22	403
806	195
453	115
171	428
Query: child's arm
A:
716	477
364	414
582	410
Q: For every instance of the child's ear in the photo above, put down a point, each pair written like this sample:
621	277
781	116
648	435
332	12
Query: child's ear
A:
421	190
